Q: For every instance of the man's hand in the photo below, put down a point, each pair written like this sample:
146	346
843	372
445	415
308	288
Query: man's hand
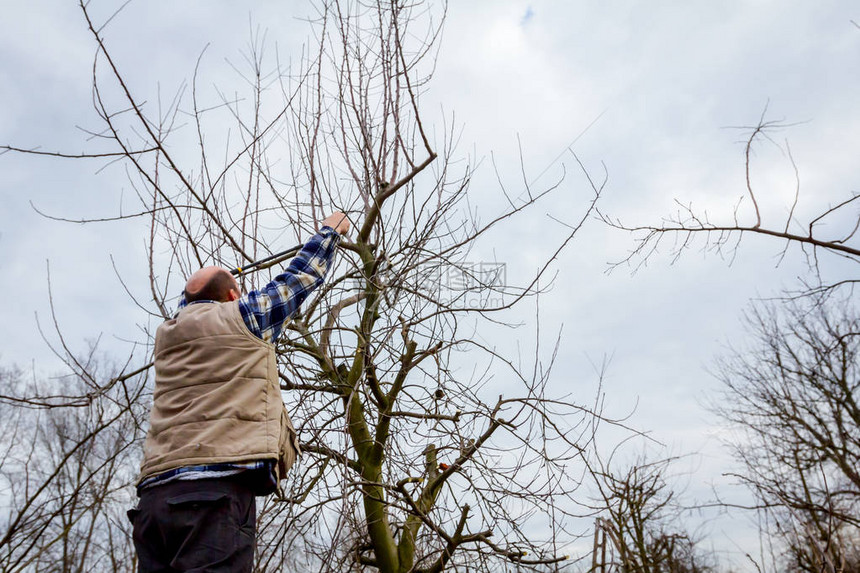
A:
338	222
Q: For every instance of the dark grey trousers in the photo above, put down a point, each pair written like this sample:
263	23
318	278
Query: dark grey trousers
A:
198	525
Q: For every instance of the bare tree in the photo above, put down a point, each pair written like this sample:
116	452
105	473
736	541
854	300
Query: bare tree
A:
641	524
812	548
792	395
68	449
426	448
793	399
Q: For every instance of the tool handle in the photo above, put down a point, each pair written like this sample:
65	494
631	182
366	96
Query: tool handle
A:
257	265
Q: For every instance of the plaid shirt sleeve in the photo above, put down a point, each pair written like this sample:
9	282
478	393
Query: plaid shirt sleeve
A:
266	310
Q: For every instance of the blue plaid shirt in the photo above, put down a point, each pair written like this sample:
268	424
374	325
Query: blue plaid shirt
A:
265	312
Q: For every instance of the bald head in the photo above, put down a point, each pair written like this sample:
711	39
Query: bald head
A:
211	283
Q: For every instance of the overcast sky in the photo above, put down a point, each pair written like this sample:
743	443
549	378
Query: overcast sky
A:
669	83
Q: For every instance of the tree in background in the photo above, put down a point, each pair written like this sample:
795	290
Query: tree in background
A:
641	523
425	447
70	446
794	399
792	396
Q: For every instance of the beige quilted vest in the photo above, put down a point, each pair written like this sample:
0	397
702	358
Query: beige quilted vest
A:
217	396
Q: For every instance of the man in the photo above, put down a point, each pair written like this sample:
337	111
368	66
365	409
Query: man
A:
219	433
